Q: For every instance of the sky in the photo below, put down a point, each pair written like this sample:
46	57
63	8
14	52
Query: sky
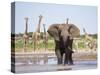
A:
81	16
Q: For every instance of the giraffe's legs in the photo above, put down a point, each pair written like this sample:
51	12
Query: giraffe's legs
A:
46	43
34	45
25	45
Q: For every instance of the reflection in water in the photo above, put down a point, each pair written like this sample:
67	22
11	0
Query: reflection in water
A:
41	65
50	61
38	61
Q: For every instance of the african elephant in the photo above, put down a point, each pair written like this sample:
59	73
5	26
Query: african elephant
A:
63	35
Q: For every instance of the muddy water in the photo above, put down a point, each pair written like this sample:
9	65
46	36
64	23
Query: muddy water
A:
51	65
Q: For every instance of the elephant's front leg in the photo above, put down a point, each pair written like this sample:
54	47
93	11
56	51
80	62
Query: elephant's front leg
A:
58	53
68	57
59	56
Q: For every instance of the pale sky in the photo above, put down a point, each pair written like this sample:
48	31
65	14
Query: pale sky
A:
81	16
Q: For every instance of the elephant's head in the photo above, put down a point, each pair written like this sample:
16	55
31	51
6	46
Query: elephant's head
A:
63	30
69	32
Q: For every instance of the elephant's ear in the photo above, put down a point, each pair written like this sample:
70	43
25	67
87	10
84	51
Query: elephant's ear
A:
73	31
53	31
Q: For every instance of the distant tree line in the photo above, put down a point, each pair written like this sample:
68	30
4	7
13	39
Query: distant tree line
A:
49	37
95	36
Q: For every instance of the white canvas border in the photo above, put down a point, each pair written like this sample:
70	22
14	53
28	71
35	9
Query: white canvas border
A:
5	26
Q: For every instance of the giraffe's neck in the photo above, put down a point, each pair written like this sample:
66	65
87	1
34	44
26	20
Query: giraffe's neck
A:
26	29
44	29
26	26
86	34
38	28
67	21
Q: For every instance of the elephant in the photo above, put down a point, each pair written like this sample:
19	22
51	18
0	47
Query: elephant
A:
63	35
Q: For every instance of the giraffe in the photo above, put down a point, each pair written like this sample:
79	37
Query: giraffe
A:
89	41
67	20
45	37
25	36
36	34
